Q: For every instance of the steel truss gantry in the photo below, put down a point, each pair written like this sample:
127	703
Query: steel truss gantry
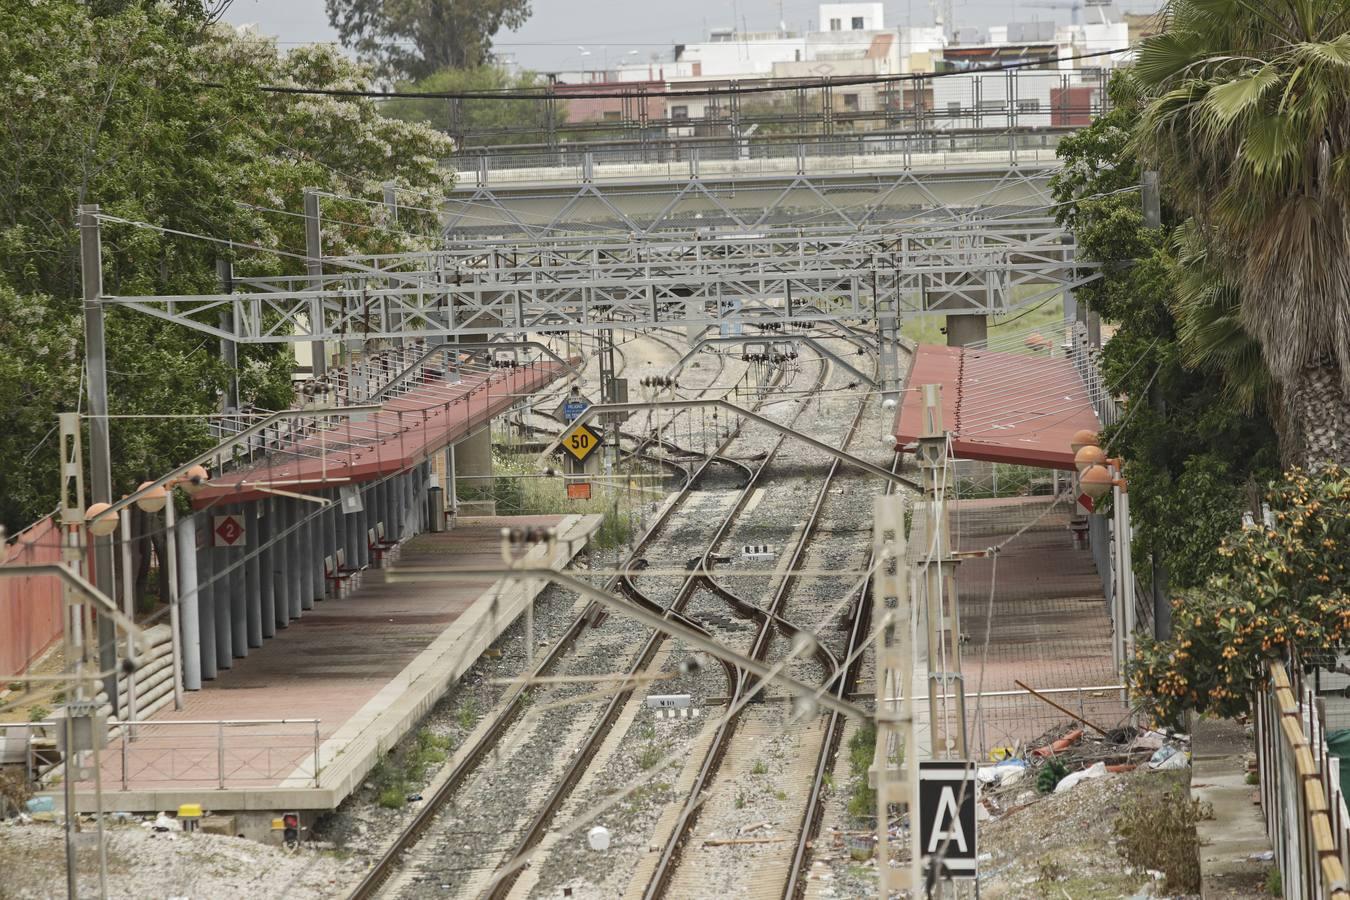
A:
975	267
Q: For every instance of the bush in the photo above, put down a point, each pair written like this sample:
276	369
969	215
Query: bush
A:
862	801
1282	586
1159	833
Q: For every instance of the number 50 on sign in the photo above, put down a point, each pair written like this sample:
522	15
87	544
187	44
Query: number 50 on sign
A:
580	442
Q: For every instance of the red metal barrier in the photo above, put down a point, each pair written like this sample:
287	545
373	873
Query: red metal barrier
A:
30	608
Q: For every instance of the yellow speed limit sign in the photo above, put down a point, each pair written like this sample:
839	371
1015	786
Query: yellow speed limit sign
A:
580	441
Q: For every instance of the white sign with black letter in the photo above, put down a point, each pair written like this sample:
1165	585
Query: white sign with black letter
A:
947	815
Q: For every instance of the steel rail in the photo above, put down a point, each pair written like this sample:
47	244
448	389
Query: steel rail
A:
538	826
722	739
514	704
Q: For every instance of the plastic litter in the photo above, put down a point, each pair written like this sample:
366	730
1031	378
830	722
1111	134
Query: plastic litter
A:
598	838
41	805
1169	757
1150	740
1006	772
1066	783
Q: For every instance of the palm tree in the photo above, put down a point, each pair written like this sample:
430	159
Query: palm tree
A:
1207	307
1247	117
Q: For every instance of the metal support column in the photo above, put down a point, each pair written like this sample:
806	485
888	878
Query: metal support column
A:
189	602
252	574
206	591
220	595
176	633
239	613
312	581
100	452
888	340
938	582
281	564
266	586
294	564
894	770
331	515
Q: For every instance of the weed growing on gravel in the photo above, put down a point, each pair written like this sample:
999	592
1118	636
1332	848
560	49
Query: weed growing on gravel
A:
1049	872
1158	832
1274	883
393	797
759	768
429	749
38	712
740	801
649	756
467	714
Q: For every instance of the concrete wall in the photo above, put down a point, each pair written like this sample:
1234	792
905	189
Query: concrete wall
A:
30	608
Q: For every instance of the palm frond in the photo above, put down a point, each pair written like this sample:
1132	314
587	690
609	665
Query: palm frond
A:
1230	100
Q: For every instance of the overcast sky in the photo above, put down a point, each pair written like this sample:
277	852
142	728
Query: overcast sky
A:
610	29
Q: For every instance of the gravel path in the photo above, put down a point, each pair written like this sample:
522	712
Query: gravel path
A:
143	863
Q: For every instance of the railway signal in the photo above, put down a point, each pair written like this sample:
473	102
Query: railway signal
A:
290	830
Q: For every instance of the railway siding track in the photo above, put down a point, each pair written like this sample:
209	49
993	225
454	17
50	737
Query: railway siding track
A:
447	870
637	837
715	795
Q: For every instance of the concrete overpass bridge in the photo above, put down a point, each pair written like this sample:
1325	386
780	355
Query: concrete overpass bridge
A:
850	184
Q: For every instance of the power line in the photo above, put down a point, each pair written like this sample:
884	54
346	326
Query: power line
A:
738	89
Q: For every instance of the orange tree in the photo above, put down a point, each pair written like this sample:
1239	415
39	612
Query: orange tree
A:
1283	585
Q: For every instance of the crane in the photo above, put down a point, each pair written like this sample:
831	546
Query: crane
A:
942	16
1076	6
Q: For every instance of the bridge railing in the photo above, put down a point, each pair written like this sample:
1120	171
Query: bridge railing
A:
674	160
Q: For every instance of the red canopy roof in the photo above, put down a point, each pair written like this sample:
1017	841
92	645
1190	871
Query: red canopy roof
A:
1000	407
406	431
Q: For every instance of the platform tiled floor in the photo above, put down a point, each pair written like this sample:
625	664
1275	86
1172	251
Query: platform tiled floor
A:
327	665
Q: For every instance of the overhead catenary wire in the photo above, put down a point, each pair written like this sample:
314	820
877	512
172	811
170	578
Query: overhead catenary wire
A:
710	91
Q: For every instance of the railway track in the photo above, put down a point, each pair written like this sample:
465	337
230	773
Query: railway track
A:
707	596
774	873
511	710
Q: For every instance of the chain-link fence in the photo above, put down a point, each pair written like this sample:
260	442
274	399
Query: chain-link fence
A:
1033	616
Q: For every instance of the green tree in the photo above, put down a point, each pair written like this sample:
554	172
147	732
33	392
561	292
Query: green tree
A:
1247	105
1191	452
415	38
112	108
479	122
1283	585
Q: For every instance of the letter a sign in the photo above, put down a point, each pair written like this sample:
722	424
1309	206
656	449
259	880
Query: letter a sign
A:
947	815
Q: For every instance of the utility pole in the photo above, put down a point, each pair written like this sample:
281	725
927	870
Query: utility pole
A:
314	266
100	451
932	551
610	387
895	626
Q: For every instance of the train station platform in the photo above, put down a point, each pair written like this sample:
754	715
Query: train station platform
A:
1000	407
301	721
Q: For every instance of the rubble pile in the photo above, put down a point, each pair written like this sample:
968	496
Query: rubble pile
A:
1068	754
